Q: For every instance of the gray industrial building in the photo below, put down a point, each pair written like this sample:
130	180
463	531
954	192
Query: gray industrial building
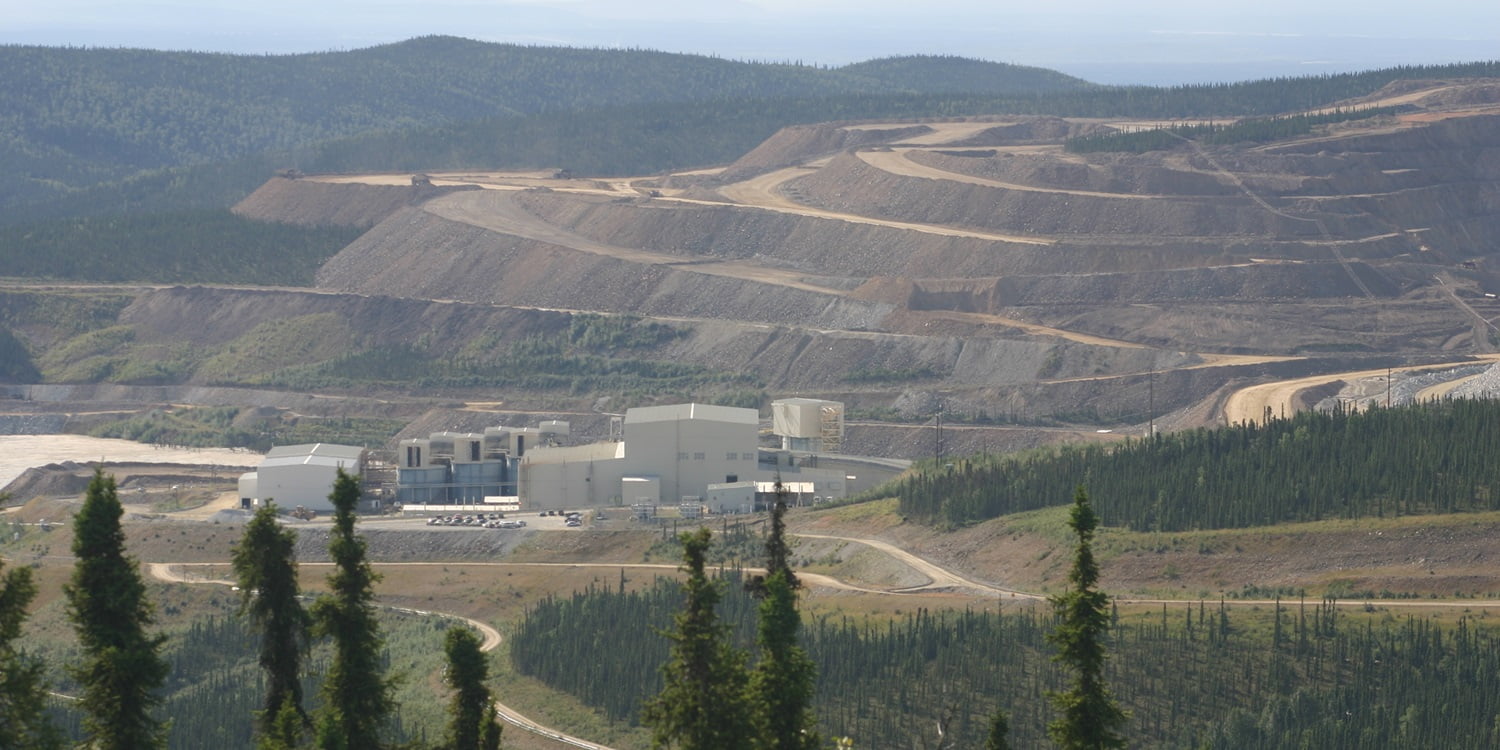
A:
450	468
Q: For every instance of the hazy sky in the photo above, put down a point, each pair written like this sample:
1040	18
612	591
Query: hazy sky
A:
1146	41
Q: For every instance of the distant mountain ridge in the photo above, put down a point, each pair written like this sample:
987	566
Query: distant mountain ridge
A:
948	74
91	132
75	117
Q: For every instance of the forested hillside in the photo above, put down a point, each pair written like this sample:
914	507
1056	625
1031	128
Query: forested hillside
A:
202	245
1427	458
93	131
1194	675
79	117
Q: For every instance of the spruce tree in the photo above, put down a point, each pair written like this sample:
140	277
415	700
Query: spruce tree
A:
23	689
120	668
265	565
998	737
1090	717
356	694
781	686
702	703
472	724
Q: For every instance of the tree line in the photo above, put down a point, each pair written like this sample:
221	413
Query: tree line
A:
121	670
1343	463
1250	130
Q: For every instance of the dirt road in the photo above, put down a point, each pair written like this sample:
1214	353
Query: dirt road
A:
763	191
1250	404
896	162
174	573
938	576
498	212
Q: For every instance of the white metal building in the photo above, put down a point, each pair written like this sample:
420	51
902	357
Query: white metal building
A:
303	475
808	424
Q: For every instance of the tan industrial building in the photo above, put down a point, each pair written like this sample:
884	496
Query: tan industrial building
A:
668	455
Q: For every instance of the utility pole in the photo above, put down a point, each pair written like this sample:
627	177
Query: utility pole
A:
937	438
1151	403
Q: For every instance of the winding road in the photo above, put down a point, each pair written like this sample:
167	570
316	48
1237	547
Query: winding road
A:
1250	404
173	573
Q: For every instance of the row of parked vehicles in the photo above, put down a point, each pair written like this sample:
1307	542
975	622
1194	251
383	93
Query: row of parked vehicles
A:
478	520
572	517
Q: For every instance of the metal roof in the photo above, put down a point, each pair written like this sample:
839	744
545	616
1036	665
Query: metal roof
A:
800	401
682	412
331	450
310	460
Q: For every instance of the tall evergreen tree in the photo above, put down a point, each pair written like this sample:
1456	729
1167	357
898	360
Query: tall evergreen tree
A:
356	693
702	704
1090	719
121	667
265	565
998	737
472	724
23	689
781	686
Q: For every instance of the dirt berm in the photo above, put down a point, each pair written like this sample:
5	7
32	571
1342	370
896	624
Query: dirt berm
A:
798	143
834	246
1041	213
314	203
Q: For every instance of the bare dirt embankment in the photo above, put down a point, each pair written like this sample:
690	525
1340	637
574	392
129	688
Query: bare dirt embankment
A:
474	264
1281	398
957	230
800	143
1047	214
347	204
